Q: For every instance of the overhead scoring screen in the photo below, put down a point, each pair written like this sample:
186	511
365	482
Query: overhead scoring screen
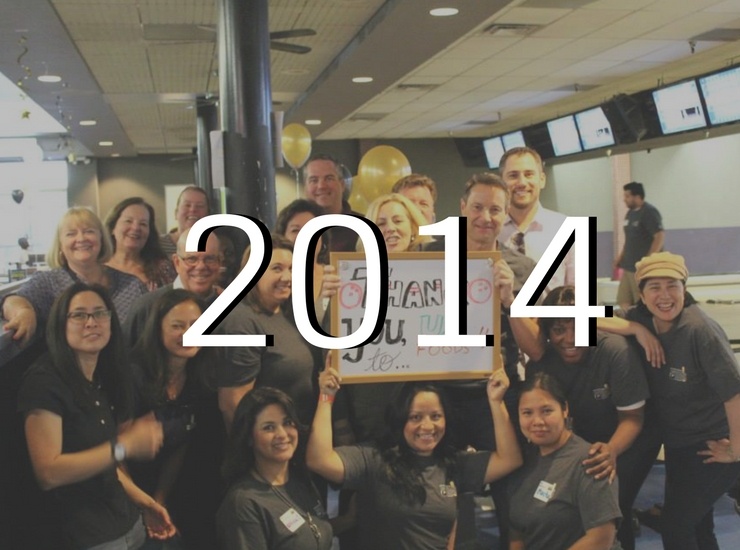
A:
564	136
679	108
594	128
722	96
494	149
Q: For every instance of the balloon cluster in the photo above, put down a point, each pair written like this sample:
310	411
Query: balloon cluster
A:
379	169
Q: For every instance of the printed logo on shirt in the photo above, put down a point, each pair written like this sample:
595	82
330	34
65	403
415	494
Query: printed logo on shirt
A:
448	490
545	491
678	375
601	394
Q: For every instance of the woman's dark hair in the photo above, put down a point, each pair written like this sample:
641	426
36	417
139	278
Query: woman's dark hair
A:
112	371
545	382
560	296
278	243
150	354
403	468
239	459
151	253
299	206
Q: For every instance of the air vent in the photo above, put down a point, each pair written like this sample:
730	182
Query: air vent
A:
11	159
575	88
179	33
367	117
510	29
480	122
416	87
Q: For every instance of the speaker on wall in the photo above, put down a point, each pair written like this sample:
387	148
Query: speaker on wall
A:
625	113
472	152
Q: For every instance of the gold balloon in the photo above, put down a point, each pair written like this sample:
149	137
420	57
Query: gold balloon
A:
357	200
296	145
380	168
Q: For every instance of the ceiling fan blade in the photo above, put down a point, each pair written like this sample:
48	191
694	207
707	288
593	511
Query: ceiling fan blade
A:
292	33
290	48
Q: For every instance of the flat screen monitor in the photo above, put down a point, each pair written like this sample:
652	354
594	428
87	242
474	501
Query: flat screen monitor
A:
564	136
494	148
514	139
679	108
722	95
594	128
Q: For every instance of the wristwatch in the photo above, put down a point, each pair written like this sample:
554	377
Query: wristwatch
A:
117	450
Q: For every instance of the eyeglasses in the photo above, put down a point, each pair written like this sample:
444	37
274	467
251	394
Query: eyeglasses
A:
192	261
81	317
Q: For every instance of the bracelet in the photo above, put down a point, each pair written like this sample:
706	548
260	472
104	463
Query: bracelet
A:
326	398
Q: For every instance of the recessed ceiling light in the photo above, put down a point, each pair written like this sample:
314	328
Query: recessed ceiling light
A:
362	79
443	12
88	122
115	154
105	143
312	122
50	78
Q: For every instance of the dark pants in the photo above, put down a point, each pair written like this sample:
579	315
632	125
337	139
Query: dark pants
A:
471	424
633	466
691	489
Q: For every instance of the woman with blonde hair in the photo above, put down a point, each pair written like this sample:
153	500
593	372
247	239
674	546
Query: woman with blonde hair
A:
78	253
399	220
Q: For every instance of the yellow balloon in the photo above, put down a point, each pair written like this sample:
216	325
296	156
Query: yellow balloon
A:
380	168
357	200
296	144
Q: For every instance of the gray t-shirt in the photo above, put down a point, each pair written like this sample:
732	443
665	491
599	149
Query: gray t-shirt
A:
288	365
554	502
640	226
386	521
256	516
699	375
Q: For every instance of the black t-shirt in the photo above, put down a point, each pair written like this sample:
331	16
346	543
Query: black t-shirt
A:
609	377
97	509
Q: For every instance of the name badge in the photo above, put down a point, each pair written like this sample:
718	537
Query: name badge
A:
678	375
448	490
292	520
602	393
545	491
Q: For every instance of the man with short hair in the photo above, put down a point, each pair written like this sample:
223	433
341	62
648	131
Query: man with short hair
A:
421	190
197	272
485	204
192	205
529	227
643	235
324	185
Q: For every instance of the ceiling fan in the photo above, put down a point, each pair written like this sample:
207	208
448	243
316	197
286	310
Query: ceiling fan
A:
206	32
275	36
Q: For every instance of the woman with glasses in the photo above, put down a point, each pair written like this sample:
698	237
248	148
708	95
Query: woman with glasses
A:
136	245
290	364
79	251
77	404
271	503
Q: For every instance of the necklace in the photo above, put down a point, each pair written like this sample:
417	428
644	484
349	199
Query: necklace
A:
285	498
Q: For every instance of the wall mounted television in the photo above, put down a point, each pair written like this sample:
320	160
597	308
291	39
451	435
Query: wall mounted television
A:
513	139
595	129
679	107
721	93
564	136
494	148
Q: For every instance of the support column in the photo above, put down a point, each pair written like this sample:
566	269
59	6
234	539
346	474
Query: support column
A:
207	120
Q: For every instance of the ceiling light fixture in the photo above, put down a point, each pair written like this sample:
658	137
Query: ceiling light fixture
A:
443	12
49	78
312	122
88	122
362	79
105	143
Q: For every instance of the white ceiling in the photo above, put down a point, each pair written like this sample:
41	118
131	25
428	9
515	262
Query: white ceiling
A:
456	77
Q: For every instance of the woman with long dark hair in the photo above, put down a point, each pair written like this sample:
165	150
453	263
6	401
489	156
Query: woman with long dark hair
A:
77	403
172	382
271	503
409	481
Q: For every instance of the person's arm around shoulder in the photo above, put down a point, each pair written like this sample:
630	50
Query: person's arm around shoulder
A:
54	469
618	325
21	317
508	456
321	457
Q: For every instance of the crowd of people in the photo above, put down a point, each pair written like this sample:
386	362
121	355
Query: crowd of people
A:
143	442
